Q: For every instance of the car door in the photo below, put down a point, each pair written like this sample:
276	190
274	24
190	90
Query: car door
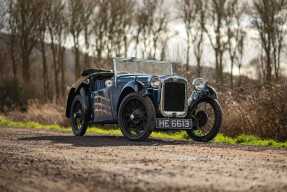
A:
102	107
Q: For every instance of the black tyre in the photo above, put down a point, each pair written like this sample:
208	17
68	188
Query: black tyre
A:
136	117
78	116
207	116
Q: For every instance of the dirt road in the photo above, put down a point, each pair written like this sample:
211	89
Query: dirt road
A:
47	161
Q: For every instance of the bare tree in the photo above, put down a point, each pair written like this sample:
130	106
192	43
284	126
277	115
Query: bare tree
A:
118	25
124	26
235	34
12	40
148	11
87	23
100	18
193	14
3	12
160	27
241	49
129	13
187	12
141	18
216	33
164	40
27	16
198	38
269	19
56	27
76	16
42	43
278	37
61	33
112	25
151	24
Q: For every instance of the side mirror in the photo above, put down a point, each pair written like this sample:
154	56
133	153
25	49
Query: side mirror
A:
109	83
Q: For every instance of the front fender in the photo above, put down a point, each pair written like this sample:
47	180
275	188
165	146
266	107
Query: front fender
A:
131	87
206	92
137	86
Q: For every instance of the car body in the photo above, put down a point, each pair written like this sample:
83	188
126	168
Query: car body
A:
100	94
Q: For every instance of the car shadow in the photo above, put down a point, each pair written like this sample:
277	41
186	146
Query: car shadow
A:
115	141
102	141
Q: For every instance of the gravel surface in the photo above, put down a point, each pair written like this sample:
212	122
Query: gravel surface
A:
45	161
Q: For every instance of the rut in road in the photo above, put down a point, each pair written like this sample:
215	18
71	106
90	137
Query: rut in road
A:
46	161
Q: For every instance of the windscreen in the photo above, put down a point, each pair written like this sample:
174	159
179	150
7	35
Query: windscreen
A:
151	67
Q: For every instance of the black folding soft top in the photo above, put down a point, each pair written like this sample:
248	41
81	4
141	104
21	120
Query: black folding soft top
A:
88	72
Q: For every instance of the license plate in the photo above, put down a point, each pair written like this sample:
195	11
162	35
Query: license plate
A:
173	123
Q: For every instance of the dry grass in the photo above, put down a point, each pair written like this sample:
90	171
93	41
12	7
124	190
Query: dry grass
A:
260	111
43	113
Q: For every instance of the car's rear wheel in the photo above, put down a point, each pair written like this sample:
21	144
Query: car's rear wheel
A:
207	116
78	116
136	117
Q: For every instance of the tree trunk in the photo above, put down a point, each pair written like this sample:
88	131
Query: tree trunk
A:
26	68
55	66
87	60
62	69
187	53
45	71
221	68
137	43
268	68
86	57
13	57
77	56
198	54
154	47
239	73
231	72
217	72
77	63
99	54
126	46
198	61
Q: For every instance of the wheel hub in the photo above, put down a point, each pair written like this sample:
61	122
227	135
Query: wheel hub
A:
132	116
202	118
136	116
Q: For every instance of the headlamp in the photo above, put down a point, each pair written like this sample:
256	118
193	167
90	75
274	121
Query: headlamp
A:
155	83
199	83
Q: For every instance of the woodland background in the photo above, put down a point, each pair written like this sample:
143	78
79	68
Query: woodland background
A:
45	45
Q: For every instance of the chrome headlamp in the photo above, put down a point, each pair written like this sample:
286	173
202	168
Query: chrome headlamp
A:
155	83
199	83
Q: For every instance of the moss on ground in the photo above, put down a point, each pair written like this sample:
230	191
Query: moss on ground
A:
241	139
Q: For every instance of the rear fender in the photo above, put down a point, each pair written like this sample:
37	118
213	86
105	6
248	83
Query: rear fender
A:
71	96
77	89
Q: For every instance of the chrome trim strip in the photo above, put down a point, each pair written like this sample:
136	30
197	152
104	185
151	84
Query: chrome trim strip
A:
115	70
173	113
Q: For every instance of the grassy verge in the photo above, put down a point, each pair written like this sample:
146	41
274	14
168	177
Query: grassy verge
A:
242	139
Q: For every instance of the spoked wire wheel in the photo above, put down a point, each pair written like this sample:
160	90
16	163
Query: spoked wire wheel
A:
207	118
78	117
136	117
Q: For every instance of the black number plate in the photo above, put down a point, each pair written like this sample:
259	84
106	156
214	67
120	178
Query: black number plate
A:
174	124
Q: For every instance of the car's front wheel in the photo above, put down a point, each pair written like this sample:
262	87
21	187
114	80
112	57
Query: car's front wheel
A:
207	116
78	116
136	117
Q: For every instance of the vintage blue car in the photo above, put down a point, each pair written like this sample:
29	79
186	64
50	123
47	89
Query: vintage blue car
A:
142	96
